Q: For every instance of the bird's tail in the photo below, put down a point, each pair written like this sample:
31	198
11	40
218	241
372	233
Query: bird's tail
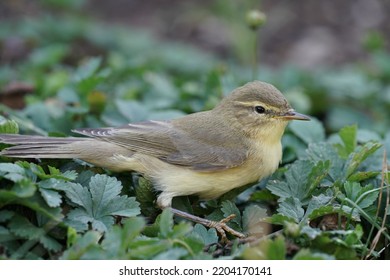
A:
27	146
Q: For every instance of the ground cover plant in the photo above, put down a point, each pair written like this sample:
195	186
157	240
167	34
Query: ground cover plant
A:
328	200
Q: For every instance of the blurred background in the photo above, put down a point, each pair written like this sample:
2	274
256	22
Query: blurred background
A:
304	33
127	60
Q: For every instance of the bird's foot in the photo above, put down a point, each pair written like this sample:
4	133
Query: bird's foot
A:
222	227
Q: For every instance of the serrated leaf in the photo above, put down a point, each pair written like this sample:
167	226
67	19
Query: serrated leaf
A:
321	211
99	202
291	207
301	179
208	236
315	203
228	208
52	198
279	188
12	172
22	227
8	126
326	152
309	132
50	243
368	196
146	196
253	220
54	173
356	158
362	196
317	174
348	137
352	190
279	219
79	195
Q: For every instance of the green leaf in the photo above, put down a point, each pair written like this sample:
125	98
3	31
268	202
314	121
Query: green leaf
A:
307	254
180	230
302	177
146	196
50	243
99	202
21	190
49	191
5	215
49	55
291	207
171	254
363	175
8	126
85	247
87	69
253	220
208	236
317	202
148	248
12	172
356	158
321	211
309	132
267	249
228	208
22	227
310	232
118	239
348	137
324	152
317	174
279	219
52	198
362	196
166	222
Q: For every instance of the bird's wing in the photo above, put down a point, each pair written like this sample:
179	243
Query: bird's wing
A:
174	145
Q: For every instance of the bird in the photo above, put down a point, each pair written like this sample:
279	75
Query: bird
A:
205	154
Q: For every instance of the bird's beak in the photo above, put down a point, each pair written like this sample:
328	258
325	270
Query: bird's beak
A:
292	115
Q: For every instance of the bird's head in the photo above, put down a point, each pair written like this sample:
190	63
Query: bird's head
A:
259	109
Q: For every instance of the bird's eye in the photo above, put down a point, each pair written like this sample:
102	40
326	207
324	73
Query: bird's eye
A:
260	109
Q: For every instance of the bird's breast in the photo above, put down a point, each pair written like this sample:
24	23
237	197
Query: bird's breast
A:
261	162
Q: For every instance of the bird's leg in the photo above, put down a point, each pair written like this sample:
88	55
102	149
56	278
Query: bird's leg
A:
220	226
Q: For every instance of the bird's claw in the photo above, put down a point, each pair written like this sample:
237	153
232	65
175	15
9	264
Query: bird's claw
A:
222	227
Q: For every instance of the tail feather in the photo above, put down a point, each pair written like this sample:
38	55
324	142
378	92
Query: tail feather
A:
39	146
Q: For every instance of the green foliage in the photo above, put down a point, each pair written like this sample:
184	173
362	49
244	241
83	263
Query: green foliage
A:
328	198
98	203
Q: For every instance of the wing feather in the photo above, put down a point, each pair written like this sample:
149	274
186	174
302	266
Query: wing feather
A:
174	145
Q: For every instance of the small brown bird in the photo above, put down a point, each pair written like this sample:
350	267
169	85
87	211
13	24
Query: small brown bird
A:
205	154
